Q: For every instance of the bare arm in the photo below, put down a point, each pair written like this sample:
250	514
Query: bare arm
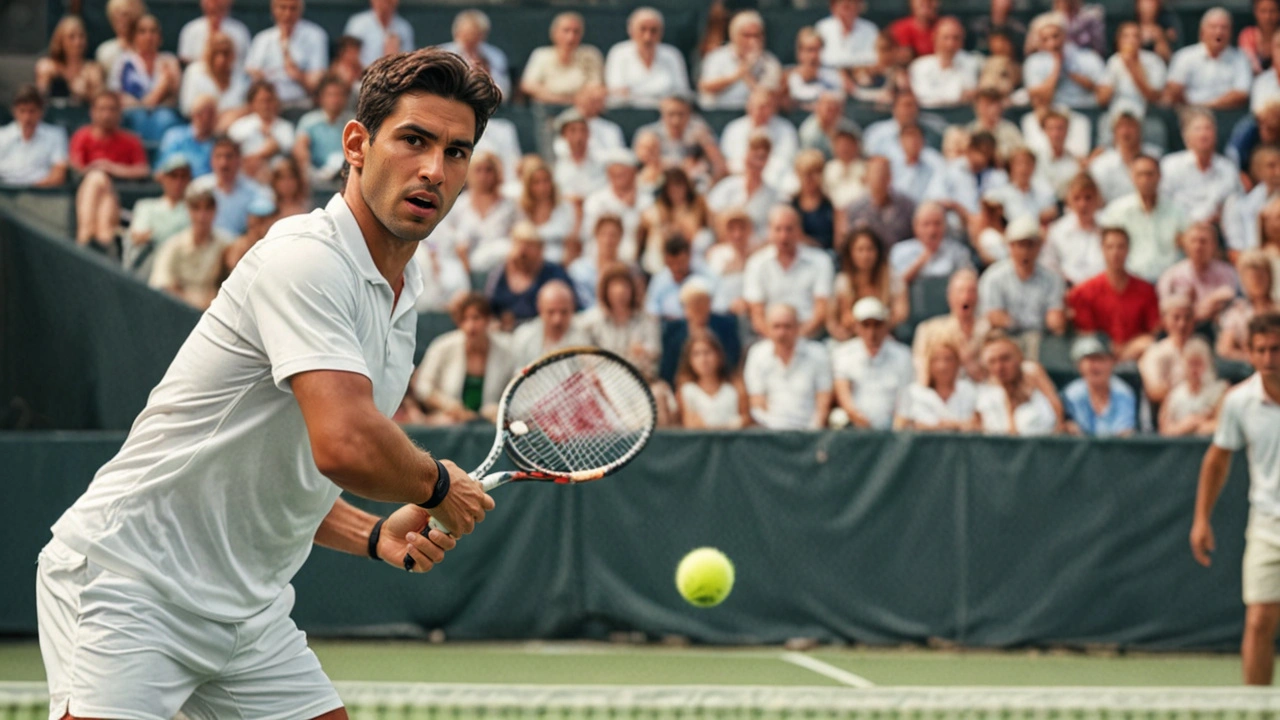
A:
817	320
1213	476
366	453
757	318
347	528
1230	100
823	402
844	399
57	176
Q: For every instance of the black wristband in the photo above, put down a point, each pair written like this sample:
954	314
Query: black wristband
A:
441	489
374	535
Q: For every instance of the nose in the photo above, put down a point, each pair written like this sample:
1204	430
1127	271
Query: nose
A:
431	168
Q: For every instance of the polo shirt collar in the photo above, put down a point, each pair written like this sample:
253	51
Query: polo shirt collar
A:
349	231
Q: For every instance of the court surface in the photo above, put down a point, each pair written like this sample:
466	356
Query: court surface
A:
583	663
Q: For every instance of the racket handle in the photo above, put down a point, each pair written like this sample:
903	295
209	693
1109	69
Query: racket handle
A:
487	483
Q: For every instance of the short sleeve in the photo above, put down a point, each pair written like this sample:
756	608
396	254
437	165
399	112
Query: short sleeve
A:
753	283
1243	77
303	311
822	369
753	373
1230	432
58	151
137	154
1057	291
1035	71
1180	68
824	283
257	53
1156	72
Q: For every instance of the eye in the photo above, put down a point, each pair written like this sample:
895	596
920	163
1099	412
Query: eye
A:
457	153
413	140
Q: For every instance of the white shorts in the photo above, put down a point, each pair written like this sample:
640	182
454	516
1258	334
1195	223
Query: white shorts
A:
114	648
1260	577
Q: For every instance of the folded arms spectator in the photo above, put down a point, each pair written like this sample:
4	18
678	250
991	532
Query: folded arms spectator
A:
731	72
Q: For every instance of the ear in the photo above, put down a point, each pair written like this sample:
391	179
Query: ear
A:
355	143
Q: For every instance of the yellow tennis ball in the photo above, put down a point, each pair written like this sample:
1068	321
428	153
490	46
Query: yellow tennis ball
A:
705	577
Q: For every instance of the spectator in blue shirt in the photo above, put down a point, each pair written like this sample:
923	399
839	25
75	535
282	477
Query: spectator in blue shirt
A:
512	288
663	298
318	147
1098	403
193	141
233	191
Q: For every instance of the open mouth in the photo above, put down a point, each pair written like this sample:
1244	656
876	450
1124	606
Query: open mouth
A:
422	205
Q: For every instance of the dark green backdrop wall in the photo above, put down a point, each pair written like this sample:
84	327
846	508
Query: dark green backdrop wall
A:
862	537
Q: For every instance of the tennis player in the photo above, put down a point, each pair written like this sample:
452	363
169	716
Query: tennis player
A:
166	585
1250	420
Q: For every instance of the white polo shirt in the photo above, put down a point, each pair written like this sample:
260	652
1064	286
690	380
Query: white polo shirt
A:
1240	218
855	48
1153	236
809	277
1117	76
878	381
936	86
215	497
1114	178
785	142
1077	61
790	390
922	404
645	86
1250	420
1266	87
27	162
1199	193
1205	78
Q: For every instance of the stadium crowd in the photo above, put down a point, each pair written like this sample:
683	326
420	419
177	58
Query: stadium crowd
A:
764	274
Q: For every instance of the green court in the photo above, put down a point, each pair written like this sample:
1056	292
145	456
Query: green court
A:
607	664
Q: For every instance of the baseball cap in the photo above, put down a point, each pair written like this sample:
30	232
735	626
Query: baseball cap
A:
173	161
568	116
1088	345
845	126
619	156
1026	227
870	308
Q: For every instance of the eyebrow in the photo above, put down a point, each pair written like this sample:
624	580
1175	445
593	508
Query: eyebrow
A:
419	130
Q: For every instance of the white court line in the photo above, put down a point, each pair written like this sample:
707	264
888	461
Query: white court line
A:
827	669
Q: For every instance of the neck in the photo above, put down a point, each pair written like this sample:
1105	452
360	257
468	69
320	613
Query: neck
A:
478	344
384	17
784	353
1203	158
785	258
1128	151
1118	277
390	254
1100	389
201	236
945	58
944	388
966	319
1271	384
1087	220
879	196
872	347
646	52
753	181
28	131
227	181
1148	201
1026	270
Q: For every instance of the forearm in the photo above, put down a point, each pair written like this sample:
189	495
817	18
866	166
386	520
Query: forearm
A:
373	458
129	172
1232	99
718	84
56	176
346	529
1213	476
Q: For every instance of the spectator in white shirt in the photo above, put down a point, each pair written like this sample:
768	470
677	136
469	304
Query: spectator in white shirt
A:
262	134
464	371
1198	179
1152	221
748	190
949	76
381	31
788	272
1017	294
710	394
540	203
762	117
35	153
844	176
293	54
930	253
122	15
732	71
1112	168
1266	86
882	136
848	40
1079	130
604	135
1018	397
914	164
788	378
553	329
216	74
687	140
481	219
1240	212
1027	192
215	17
1134	77
577	173
470	30
1210	73
554	74
1061	72
808	79
1055	163
1073	245
640	72
963	182
943	399
620	197
872	370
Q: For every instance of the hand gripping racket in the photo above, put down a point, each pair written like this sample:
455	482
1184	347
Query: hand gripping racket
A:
575	415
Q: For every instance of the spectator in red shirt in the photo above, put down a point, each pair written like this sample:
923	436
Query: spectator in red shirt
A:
914	34
1117	303
103	153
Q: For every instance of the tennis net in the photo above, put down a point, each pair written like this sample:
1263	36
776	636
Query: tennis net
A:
425	701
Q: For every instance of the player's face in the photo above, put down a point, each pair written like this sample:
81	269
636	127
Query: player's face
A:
411	173
1264	354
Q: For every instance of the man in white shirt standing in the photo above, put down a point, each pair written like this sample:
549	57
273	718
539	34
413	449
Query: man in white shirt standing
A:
789	273
292	55
640	72
1250	420
948	77
871	370
848	40
1198	179
788	378
179	555
216	17
381	31
1210	73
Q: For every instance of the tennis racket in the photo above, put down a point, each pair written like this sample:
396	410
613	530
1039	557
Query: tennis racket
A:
575	415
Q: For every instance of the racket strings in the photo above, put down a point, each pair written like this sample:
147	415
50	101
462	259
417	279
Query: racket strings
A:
584	412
